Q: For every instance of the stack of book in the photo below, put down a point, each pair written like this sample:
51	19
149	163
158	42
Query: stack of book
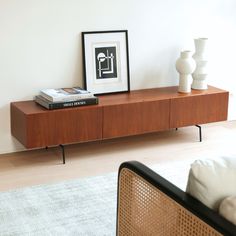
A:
65	97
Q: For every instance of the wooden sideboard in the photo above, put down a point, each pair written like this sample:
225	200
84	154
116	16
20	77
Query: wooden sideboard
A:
117	115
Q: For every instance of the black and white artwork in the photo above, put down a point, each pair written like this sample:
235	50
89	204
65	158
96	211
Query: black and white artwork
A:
106	62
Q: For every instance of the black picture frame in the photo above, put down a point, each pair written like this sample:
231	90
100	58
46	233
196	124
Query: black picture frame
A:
106	61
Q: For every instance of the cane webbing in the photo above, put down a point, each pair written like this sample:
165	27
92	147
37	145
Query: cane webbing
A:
145	210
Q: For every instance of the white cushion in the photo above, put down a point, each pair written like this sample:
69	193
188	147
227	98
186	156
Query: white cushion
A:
210	181
228	209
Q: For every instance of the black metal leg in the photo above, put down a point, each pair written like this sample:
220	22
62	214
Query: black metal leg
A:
200	132
176	128
63	153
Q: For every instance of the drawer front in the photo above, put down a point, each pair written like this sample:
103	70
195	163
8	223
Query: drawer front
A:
64	126
135	118
198	109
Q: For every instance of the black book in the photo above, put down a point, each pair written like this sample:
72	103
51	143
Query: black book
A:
57	105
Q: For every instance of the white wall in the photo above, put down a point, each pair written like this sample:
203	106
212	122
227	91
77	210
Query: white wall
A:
40	44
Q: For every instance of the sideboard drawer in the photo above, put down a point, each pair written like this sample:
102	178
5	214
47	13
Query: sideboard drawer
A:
55	127
199	109
136	118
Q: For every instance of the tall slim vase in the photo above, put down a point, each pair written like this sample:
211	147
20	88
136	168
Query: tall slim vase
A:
185	65
200	57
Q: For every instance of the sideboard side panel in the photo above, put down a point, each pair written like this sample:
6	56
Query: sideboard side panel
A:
18	124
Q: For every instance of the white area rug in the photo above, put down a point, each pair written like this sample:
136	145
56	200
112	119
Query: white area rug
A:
78	207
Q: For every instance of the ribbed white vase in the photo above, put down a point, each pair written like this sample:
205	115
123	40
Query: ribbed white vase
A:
185	65
200	57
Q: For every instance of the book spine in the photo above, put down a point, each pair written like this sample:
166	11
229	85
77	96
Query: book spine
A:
41	102
46	96
59	105
82	102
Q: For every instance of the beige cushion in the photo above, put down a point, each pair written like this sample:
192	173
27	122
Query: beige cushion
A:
228	209
210	181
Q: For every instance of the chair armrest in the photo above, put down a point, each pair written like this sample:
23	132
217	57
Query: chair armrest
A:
148	204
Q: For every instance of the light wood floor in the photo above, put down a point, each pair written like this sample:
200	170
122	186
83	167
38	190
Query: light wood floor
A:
45	166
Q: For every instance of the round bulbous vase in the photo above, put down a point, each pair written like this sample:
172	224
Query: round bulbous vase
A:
200	57
185	65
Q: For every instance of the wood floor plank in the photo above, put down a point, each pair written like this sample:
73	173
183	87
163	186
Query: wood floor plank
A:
43	166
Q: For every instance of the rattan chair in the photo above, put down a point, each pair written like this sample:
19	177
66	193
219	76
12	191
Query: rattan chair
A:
150	205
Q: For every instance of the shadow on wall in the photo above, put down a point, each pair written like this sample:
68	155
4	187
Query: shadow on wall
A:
77	74
232	105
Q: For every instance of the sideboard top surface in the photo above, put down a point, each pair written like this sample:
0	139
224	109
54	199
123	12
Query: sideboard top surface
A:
30	107
152	94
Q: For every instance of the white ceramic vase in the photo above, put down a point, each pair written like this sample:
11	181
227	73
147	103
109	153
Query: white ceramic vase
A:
185	65
200	57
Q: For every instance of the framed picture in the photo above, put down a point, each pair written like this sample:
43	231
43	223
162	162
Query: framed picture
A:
106	61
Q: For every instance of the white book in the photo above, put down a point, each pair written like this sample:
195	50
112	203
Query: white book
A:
65	94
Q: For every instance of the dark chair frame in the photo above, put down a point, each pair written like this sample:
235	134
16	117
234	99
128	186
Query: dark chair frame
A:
130	175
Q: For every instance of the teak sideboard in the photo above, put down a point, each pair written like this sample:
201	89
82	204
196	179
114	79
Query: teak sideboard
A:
117	115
